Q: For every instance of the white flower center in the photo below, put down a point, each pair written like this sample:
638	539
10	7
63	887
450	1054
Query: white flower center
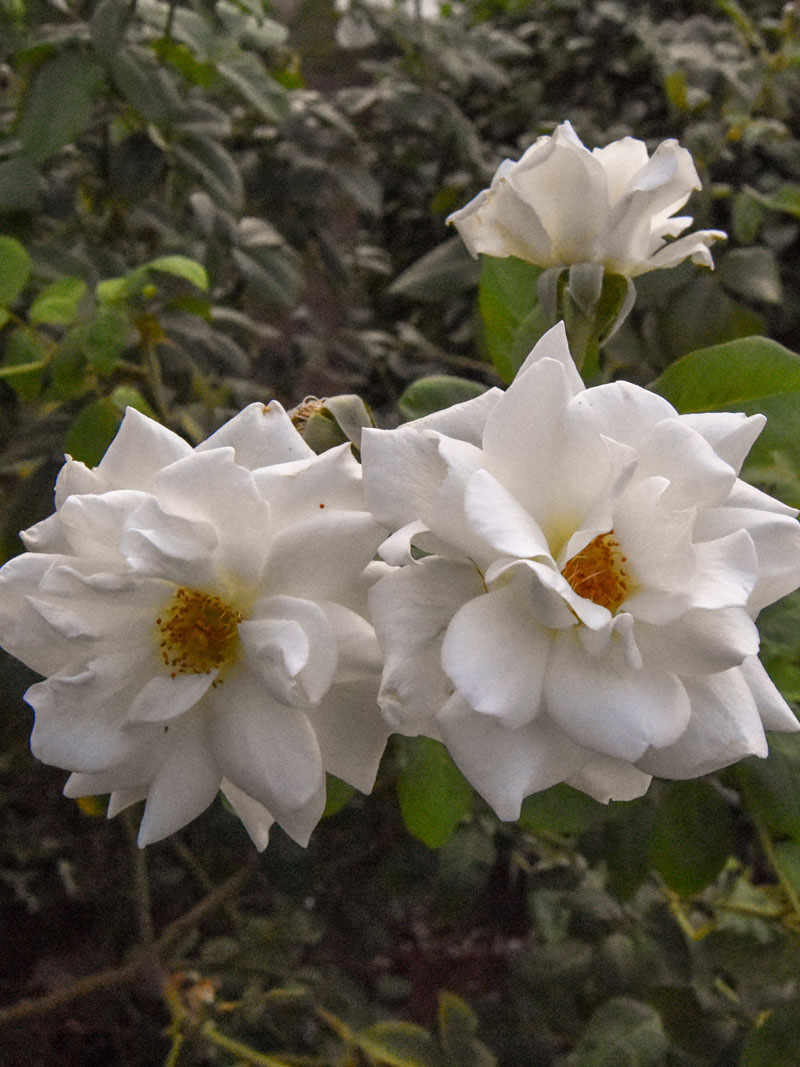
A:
198	633
598	573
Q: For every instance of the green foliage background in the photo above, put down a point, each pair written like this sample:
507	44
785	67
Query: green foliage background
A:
206	203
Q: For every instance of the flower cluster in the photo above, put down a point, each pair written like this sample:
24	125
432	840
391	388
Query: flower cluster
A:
200	616
567	589
578	571
561	204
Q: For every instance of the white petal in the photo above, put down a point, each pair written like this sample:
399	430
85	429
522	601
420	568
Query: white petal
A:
697	476
774	711
212	490
693	245
290	646
186	783
162	545
359	652
730	433
298	491
724	727
164	698
606	706
261	434
255	817
402	471
319	557
503	764
351	732
495	653
500	519
410	610
606	778
727	571
621	160
700	641
265	748
464	421
139	451
554	345
94	525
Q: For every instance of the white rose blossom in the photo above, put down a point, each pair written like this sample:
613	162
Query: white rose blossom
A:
200	617
579	606
561	204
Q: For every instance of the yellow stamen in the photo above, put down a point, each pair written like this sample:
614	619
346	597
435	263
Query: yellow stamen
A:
198	633
598	572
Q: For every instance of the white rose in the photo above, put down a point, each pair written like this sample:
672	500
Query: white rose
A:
581	600
199	616
561	204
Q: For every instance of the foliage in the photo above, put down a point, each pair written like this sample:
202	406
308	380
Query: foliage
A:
201	204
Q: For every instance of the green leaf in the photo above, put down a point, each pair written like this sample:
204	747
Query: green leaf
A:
691	836
68	369
786	199
15	269
108	25
105	338
24	360
622	1033
248	75
788	856
182	267
445	270
753	374
702	314
336	796
436	392
752	273
214	167
144	86
19	184
771	786
125	396
776	1043
457	1027
626	839
560	810
271	272
59	104
399	1044
512	319
58	303
93	431
434	796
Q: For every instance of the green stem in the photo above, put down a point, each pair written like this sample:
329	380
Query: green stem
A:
243	1052
769	851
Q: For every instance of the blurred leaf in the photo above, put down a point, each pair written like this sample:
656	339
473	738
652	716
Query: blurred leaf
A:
788	854
691	836
336	796
512	319
125	396
776	1043
626	839
434	796
214	167
560	810
108	25
446	269
144	86
15	269
687	1023
105	338
93	431
58	303
701	314
399	1044
622	1033
752	273
457	1027
271	272
786	199
23	361
182	267
436	392
247	74
771	786
19	184
68	369
52	115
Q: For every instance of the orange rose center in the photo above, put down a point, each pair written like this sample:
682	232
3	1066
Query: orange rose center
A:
598	572
198	633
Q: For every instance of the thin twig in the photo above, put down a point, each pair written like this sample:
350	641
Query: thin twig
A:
147	957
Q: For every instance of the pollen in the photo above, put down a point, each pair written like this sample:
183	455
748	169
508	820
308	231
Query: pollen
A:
598	572
198	633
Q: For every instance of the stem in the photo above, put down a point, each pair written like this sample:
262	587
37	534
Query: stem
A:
772	856
141	884
243	1052
116	976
